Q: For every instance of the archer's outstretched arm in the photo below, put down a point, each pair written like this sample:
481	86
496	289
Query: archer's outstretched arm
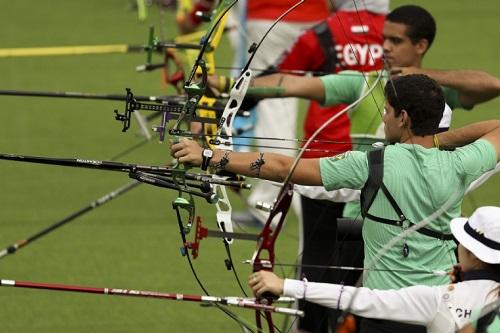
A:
488	130
276	85
473	86
260	165
416	305
285	85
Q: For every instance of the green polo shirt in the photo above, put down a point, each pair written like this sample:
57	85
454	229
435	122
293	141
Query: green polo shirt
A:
366	117
422	181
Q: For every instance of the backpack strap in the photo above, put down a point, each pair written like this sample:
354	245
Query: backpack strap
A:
374	181
327	44
373	184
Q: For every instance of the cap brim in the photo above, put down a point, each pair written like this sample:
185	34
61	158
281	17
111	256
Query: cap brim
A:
480	250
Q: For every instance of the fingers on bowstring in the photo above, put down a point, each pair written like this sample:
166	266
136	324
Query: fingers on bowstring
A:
252	279
174	149
178	146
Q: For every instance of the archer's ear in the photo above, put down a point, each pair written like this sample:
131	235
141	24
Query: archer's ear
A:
422	46
405	119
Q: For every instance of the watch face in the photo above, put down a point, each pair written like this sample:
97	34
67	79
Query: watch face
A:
208	153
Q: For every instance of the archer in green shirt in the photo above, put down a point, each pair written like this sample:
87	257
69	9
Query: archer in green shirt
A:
426	182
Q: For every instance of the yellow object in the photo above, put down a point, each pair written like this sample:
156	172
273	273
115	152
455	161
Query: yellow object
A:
142	12
189	38
183	8
63	50
208	56
436	141
209	130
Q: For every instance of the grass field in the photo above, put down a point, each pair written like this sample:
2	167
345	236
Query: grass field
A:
133	242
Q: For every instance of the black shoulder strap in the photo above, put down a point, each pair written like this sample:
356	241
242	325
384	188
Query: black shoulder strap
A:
327	43
393	203
374	181
372	186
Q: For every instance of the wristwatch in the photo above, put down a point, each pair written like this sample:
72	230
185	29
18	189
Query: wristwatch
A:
206	155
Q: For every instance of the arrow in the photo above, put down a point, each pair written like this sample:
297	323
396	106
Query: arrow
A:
232	301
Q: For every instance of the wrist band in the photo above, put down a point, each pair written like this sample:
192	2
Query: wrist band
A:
436	141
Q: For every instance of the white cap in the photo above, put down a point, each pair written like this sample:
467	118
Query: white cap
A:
480	233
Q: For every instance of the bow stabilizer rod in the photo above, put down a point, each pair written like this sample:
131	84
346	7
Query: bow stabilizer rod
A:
120	167
85	95
155	180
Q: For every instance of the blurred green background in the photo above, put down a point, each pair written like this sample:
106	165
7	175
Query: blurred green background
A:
133	241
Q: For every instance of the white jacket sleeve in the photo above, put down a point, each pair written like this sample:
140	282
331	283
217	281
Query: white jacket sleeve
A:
320	193
415	305
484	177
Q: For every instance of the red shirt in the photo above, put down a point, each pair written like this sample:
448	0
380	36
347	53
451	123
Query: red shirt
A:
309	11
307	54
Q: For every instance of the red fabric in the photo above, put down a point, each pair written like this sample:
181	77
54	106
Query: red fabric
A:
309	11
341	25
202	6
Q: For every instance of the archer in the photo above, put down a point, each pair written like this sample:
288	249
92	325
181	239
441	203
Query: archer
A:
419	177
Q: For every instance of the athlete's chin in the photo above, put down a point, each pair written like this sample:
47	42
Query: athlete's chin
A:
391	139
389	61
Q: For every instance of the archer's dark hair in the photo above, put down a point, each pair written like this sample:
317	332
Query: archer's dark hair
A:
421	97
420	23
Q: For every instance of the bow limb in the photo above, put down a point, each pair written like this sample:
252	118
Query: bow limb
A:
224	140
213	34
265	247
224	134
195	92
223	206
219	19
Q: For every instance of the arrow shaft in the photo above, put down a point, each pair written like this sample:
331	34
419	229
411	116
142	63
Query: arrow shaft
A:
233	301
171	100
97	203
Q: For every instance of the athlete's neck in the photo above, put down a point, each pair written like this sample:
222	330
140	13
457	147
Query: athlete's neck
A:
424	141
